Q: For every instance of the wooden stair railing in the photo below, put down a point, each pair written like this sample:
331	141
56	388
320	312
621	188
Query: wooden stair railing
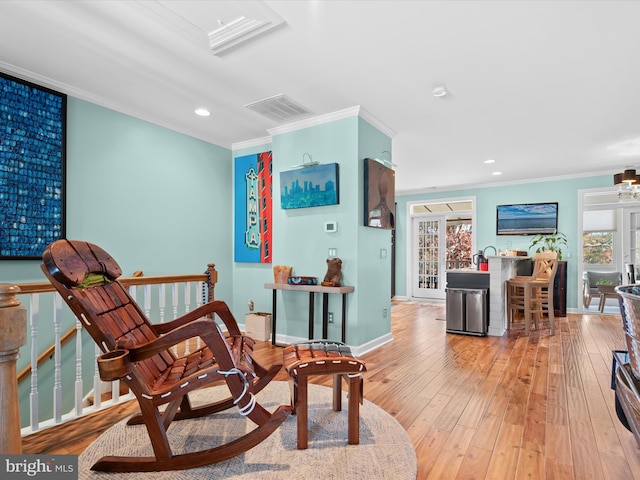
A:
210	278
47	354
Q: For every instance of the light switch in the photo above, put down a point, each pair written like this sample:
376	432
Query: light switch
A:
330	227
383	253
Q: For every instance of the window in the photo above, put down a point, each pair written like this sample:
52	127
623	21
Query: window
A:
459	243
598	248
599	229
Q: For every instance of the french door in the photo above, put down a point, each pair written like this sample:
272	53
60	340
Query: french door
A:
631	238
429	240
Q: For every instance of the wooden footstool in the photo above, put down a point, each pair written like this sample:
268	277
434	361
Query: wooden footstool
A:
321	357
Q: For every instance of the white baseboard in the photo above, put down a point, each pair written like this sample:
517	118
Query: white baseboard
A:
356	349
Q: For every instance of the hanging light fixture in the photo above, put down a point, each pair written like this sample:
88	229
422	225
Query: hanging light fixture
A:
629	176
628	184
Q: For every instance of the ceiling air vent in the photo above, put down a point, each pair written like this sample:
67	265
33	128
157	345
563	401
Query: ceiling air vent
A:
279	108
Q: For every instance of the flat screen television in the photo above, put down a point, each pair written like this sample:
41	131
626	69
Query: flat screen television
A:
527	219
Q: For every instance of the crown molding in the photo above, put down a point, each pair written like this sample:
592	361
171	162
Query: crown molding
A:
332	117
377	123
256	142
314	121
473	186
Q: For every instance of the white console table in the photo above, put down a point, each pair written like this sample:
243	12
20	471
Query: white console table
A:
501	269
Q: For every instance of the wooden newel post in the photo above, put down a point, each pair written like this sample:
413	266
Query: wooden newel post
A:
212	273
13	335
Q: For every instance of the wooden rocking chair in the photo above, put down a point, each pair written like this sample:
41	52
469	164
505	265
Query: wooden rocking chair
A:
138	352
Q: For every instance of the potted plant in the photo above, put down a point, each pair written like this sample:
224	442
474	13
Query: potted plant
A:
551	242
606	287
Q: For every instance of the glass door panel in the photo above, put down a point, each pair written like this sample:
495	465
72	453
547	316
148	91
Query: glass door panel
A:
429	241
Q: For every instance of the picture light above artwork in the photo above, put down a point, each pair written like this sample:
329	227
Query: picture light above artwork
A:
306	163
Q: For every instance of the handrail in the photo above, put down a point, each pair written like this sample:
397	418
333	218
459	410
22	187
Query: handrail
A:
47	354
43	287
210	277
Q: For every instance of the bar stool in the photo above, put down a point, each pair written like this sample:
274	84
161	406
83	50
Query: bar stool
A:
533	295
322	357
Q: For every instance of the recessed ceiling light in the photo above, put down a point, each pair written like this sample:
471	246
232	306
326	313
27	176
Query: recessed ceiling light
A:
202	112
496	173
490	160
439	91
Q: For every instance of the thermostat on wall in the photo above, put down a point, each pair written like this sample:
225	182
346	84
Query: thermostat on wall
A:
330	227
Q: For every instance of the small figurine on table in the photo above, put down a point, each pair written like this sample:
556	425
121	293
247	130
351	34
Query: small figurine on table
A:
334	273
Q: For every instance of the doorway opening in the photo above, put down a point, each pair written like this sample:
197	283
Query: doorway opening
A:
442	239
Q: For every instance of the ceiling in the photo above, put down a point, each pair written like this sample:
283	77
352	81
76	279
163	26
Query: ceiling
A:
544	88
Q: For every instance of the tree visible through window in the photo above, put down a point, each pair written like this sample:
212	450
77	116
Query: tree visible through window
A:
598	248
458	243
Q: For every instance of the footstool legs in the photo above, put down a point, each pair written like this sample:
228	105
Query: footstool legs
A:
301	362
300	404
354	383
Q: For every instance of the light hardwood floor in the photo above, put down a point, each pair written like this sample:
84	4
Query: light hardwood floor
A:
505	408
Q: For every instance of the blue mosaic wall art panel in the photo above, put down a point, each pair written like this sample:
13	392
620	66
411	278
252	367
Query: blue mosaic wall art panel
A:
32	168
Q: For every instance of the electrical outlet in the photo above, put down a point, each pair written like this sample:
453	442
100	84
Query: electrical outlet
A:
330	317
384	312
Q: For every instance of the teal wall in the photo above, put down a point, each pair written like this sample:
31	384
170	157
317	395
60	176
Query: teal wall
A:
564	191
374	272
299	239
157	200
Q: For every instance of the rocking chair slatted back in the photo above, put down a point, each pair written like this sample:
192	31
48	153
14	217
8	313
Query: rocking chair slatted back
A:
138	352
109	314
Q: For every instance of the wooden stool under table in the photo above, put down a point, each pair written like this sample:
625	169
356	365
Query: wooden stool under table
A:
321	357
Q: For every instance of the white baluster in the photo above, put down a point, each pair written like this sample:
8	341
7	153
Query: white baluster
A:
187	297
132	292
97	384
57	377
174	299
116	383
34	309
115	391
147	300
78	384
187	305
199	303
162	292
200	298
174	304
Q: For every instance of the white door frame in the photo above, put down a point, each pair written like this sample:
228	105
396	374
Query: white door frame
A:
416	290
622	246
410	263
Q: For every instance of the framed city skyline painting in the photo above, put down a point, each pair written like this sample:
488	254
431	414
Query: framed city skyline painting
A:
32	168
310	186
253	208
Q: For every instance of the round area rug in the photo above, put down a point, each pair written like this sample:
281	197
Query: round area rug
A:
384	452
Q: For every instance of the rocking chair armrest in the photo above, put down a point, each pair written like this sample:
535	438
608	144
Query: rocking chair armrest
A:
199	328
215	307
